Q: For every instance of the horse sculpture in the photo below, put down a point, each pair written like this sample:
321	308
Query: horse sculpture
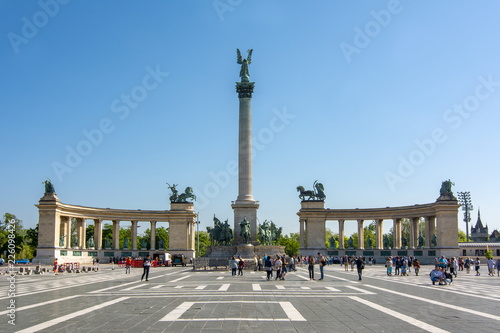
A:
188	193
317	194
305	193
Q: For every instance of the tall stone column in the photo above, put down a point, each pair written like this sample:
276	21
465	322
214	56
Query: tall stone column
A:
414	232
302	230
341	234
116	235
134	234
153	235
66	231
98	234
361	234
245	206
396	243
379	241
80	233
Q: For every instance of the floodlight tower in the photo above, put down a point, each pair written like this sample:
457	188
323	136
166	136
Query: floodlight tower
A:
465	201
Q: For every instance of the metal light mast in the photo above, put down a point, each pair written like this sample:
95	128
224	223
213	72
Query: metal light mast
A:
465	201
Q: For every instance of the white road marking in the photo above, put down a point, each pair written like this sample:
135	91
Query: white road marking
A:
448	306
361	290
332	289
200	287
305	288
181	278
126	284
398	315
291	312
132	288
40	304
224	287
157	287
178	287
220	278
59	320
288	308
256	287
280	287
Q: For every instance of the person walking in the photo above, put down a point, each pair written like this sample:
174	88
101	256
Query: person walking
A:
498	267
146	264
477	266
233	263
310	267
128	264
360	265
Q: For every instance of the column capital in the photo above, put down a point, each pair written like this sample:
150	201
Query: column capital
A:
244	89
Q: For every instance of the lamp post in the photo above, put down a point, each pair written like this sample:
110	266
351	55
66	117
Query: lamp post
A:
465	201
198	233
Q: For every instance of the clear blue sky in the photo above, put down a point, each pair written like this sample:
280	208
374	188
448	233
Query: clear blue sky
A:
379	100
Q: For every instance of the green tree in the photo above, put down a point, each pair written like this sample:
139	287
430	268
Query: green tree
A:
204	242
291	243
5	223
461	236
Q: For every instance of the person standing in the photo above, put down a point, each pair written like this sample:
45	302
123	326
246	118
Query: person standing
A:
491	267
477	266
322	264
498	267
233	263
310	267
360	265
146	264
388	264
268	266
56	266
128	264
416	266
277	266
241	264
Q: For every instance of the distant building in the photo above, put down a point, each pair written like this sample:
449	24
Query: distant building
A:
495	236
479	233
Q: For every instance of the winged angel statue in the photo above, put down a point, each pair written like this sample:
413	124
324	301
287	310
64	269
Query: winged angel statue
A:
244	74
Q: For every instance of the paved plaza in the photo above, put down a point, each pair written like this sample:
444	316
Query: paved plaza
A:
177	299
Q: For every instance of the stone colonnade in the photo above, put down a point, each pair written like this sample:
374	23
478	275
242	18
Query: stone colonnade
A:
441	220
55	219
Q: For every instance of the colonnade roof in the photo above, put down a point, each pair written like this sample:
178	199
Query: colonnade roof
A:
117	214
387	213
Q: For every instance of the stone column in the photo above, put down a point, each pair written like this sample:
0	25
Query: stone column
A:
397	233
302	230
81	234
245	206
153	236
379	242
133	234
116	235
65	231
341	234
361	235
432	229
98	234
414	232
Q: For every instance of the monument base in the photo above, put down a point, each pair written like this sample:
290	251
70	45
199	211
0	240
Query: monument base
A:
246	251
